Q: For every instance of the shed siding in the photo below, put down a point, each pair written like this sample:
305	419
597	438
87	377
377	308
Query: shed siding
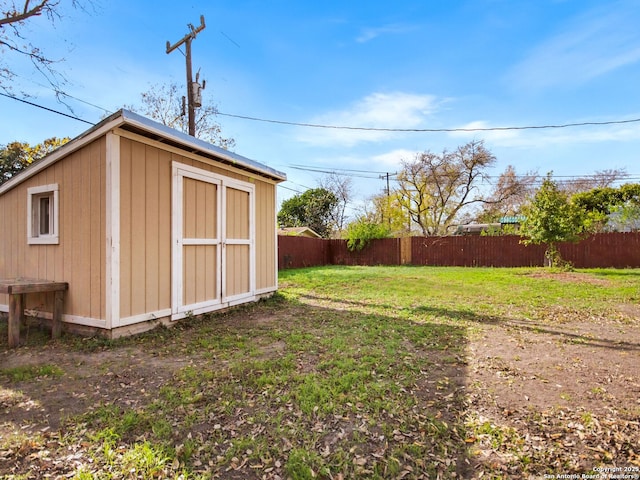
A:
145	229
79	258
266	262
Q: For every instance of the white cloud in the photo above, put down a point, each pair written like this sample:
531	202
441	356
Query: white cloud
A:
397	110
600	41
394	158
493	136
540	138
590	135
368	34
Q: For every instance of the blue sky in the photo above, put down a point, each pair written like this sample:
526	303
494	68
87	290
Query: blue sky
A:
402	65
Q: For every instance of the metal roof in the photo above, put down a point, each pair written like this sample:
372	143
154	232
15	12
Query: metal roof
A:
131	118
133	122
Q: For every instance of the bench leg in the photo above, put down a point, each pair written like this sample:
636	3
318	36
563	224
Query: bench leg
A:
56	326
16	318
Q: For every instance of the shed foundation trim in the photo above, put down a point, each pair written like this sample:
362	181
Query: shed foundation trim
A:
263	291
212	308
145	317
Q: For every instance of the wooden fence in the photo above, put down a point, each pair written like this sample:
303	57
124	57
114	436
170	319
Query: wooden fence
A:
618	250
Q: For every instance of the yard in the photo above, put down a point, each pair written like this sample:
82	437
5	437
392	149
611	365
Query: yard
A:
349	372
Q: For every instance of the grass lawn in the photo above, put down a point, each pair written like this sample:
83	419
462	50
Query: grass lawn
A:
348	372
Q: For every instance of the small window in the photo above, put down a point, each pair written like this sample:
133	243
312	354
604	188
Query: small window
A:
42	208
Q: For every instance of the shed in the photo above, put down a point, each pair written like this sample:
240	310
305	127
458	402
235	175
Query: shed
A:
145	223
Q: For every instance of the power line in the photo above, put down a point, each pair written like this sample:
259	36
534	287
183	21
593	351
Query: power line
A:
287	188
428	130
300	185
536	179
303	167
230	39
334	172
620	176
58	92
355	172
46	108
366	129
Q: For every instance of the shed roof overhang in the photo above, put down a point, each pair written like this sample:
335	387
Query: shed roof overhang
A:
127	120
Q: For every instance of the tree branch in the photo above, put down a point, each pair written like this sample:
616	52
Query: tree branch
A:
13	16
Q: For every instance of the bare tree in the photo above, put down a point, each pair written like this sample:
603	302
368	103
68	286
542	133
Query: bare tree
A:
341	187
163	103
510	194
13	18
600	179
437	189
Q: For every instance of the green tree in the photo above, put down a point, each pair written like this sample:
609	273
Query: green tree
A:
16	156
313	209
552	218
388	209
610	208
603	199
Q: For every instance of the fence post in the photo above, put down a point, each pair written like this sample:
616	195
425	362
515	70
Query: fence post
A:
405	251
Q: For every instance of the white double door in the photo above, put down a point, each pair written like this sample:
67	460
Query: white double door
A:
213	252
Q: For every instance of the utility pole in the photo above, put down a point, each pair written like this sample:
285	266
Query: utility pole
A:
387	175
194	98
388	192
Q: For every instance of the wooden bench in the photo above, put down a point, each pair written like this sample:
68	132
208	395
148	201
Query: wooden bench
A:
17	288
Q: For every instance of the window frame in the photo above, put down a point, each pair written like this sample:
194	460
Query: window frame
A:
34	197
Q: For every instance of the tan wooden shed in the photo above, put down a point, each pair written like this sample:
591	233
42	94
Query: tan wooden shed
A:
145	223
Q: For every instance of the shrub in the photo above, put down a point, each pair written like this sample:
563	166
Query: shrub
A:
361	232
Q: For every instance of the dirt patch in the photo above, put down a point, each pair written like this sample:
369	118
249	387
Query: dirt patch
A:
571	277
575	384
129	376
593	367
630	310
562	394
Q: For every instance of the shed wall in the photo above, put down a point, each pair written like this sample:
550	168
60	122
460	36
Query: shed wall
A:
145	229
145	224
266	240
79	257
